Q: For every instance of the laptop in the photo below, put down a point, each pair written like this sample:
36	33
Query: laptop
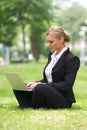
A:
16	81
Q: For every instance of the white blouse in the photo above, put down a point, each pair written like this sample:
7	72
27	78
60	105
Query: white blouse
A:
54	59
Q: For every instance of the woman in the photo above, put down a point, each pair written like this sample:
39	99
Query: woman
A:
55	90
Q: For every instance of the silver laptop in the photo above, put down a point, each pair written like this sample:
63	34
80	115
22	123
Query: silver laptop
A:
16	81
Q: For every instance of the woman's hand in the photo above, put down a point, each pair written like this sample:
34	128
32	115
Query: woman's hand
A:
32	85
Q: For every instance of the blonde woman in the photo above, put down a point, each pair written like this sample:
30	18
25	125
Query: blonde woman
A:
55	90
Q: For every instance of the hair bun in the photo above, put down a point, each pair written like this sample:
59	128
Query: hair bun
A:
67	36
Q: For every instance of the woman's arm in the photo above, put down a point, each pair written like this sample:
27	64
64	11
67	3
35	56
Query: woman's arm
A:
71	68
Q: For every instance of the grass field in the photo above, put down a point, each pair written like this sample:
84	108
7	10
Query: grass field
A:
12	118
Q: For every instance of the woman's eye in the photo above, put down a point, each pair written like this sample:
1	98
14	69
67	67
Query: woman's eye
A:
51	41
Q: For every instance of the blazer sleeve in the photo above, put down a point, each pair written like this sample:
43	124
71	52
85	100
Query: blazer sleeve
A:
71	68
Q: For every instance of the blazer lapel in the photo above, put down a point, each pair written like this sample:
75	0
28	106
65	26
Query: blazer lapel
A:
61	60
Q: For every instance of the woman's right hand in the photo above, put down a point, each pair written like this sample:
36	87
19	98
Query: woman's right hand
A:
32	85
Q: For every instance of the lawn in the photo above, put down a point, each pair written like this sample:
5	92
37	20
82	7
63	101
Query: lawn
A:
12	118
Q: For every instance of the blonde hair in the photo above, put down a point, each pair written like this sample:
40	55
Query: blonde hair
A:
59	32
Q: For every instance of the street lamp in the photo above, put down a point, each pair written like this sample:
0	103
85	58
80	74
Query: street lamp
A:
83	43
82	47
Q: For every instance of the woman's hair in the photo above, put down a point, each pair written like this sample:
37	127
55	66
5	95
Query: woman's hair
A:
59	32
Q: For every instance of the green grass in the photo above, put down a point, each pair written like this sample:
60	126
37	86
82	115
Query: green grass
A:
12	118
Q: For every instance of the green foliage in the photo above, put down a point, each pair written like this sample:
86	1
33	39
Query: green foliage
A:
36	14
71	19
1	54
41	15
76	52
7	24
13	118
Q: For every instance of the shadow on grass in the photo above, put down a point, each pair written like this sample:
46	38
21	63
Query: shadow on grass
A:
15	107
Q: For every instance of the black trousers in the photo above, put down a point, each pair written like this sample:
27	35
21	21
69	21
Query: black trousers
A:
42	96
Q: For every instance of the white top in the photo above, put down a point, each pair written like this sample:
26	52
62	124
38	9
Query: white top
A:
54	59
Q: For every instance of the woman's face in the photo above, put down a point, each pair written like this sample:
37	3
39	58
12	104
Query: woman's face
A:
54	43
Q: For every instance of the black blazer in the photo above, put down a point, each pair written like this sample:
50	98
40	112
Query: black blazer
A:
64	74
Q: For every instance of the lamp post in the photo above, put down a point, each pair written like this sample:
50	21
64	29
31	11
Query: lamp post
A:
83	44
82	48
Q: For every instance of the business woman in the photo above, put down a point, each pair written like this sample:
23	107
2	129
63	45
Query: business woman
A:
55	90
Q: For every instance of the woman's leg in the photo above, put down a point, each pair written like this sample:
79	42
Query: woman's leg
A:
45	96
24	98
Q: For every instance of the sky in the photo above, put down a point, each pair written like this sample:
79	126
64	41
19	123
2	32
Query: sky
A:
82	2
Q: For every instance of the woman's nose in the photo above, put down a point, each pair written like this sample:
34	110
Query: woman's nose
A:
48	44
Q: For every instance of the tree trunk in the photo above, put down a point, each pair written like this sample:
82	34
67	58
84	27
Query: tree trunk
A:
35	43
24	42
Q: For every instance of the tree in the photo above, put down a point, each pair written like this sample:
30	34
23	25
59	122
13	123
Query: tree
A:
41	16
7	29
36	14
71	19
7	25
